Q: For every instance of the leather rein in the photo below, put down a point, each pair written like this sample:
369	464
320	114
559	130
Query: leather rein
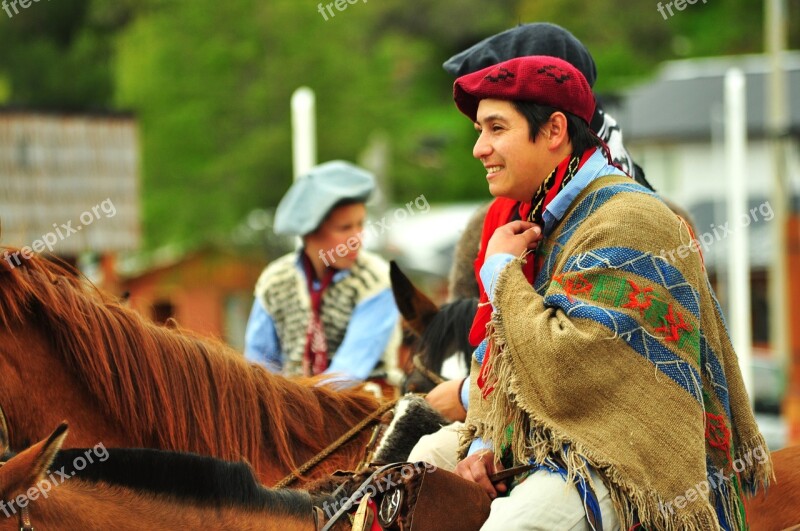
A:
429	374
24	514
335	445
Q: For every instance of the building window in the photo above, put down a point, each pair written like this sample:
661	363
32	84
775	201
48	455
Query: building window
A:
162	311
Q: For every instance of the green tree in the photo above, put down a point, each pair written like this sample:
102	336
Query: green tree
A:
59	55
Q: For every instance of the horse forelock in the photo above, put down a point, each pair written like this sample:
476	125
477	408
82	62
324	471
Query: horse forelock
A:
215	402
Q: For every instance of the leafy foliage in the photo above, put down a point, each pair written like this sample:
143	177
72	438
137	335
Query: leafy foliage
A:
211	82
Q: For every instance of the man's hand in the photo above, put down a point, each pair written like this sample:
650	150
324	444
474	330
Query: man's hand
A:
514	238
477	468
446	399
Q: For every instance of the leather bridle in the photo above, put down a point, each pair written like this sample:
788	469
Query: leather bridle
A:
24	513
426	372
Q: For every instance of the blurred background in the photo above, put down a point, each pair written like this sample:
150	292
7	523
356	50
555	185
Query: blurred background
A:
162	130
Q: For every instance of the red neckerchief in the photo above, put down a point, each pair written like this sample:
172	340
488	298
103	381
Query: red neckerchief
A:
315	358
502	211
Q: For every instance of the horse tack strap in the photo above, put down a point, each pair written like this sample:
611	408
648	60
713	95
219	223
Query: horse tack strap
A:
352	432
25	520
358	493
319	517
429	374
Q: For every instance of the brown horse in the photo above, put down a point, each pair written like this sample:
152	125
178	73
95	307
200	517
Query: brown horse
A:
779	507
141	490
69	351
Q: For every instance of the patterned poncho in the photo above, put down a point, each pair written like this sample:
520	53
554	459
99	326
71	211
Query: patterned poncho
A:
618	357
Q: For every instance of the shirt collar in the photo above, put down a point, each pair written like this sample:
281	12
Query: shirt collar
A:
597	166
337	276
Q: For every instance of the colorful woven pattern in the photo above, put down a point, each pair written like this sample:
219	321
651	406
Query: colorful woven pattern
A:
623	356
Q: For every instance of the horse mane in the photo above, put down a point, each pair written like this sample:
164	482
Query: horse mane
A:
188	477
229	408
448	332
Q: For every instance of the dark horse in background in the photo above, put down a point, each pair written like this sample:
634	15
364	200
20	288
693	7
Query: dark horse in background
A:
438	333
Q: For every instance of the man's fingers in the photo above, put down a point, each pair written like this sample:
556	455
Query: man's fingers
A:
518	226
532	236
481	477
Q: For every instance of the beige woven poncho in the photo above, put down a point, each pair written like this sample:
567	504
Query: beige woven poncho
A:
621	356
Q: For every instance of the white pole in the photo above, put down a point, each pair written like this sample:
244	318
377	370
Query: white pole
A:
738	217
775	30
304	131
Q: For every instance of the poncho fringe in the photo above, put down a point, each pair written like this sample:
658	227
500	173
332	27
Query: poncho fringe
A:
534	438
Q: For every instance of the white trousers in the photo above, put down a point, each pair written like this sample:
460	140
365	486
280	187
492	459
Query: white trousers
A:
543	502
439	448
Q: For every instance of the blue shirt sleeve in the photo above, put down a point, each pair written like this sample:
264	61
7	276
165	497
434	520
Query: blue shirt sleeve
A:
477	445
371	326
491	269
261	344
465	393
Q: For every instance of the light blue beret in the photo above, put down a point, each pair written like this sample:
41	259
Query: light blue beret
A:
311	197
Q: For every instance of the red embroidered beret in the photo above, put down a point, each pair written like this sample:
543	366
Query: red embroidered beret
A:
538	78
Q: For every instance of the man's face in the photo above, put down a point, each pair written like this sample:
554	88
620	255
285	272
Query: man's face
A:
515	166
339	236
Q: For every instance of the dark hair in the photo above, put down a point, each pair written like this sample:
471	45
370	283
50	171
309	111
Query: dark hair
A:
347	201
537	115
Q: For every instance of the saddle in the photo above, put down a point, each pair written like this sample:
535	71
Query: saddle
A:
405	497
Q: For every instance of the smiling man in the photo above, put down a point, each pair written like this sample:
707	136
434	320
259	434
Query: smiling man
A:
602	365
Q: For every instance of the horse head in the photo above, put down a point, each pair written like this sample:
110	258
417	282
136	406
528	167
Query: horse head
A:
439	332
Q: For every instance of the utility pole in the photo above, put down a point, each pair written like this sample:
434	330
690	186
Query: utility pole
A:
304	131
775	18
739	241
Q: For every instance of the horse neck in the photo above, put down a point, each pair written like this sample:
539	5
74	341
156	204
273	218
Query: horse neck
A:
39	391
248	418
325	416
82	505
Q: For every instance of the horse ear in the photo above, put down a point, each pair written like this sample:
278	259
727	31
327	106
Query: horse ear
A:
3	432
415	307
27	468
